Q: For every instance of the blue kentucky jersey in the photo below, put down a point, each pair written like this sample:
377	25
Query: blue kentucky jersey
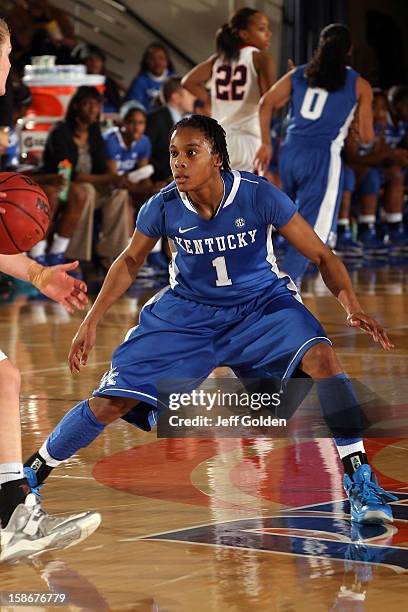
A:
13	150
319	117
145	88
126	158
228	259
394	132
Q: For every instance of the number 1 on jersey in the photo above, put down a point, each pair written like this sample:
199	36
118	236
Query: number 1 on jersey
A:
222	272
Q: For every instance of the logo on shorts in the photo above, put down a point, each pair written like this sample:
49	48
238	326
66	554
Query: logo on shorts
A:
109	378
240	222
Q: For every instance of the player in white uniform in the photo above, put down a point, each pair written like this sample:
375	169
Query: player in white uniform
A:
240	72
25	528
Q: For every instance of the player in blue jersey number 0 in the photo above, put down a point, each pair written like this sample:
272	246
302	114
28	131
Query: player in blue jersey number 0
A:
228	305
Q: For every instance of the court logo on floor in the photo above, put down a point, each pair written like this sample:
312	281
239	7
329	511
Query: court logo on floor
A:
321	530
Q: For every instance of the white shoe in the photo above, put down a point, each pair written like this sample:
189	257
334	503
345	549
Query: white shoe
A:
31	530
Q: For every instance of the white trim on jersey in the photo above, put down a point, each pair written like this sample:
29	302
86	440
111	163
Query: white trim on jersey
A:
234	188
324	221
2	356
172	189
173	269
271	259
249	180
190	206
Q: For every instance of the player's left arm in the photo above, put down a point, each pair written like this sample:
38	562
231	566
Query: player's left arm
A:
276	97
266	68
194	80
301	235
365	118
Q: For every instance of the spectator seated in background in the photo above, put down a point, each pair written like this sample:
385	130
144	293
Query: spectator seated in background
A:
95	61
177	103
381	165
78	140
21	102
346	246
155	67
37	28
128	149
51	183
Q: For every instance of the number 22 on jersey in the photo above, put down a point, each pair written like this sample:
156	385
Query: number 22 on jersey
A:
230	82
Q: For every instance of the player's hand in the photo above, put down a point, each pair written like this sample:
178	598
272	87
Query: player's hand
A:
291	65
262	158
119	181
64	289
2	195
372	327
81	346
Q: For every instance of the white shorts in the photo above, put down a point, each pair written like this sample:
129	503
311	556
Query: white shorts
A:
2	356
242	149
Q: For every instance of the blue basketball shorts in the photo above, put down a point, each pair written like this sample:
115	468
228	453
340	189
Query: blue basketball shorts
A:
349	179
181	339
312	177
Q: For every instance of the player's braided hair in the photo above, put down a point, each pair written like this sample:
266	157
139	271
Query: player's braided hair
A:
212	130
327	68
227	40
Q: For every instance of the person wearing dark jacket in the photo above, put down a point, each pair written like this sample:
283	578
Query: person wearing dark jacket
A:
177	102
77	142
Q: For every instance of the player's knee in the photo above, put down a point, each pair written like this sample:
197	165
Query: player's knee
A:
108	409
320	361
10	377
77	193
395	175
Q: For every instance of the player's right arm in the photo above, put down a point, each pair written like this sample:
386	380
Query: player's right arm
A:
120	276
194	81
365	119
276	97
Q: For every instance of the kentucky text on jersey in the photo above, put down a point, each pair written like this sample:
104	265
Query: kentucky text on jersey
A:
229	259
218	243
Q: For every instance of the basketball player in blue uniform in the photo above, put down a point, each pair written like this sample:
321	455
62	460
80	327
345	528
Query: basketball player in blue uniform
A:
324	96
227	304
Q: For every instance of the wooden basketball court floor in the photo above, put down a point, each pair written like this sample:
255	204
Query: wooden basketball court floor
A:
202	525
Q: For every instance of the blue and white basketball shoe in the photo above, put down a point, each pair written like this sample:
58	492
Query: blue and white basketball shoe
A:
368	501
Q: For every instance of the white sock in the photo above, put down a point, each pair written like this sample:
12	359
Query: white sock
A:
350	449
59	244
393	217
10	471
366	219
343	221
47	457
39	249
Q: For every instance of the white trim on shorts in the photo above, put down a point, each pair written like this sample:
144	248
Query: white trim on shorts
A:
150	399
327	210
301	350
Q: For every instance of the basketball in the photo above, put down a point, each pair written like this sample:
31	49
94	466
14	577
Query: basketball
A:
27	215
